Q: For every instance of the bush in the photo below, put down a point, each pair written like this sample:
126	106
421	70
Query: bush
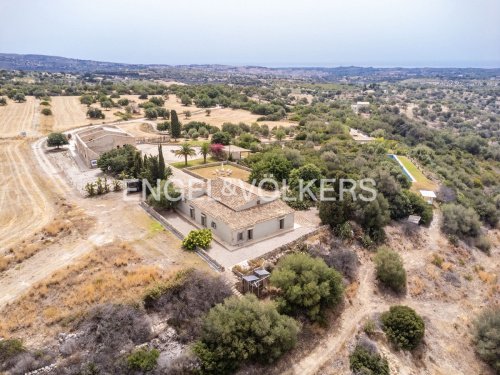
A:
222	138
143	359
187	301
46	112
10	348
460	221
343	260
197	238
109	328
307	285
487	337
366	362
390	269
95	113
243	329
403	326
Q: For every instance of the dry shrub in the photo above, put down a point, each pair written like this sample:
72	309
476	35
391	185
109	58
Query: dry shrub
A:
416	286
187	301
70	292
487	277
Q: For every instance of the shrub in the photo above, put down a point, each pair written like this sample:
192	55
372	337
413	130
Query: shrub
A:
46	112
403	326
95	113
390	270
223	138
460	221
109	328
10	348
487	337
343	260
197	238
483	244
243	329
143	359
307	285
187	301
366	362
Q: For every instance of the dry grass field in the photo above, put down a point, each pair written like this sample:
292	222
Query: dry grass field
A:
218	116
210	172
69	113
113	273
18	117
26	201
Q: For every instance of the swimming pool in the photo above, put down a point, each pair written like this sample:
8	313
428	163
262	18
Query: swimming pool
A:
405	171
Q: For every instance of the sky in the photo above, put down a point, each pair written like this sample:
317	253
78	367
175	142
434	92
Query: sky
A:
382	33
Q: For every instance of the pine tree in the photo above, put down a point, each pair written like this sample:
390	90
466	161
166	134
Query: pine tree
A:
161	164
175	125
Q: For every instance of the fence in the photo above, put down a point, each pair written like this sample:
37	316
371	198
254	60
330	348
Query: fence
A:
159	139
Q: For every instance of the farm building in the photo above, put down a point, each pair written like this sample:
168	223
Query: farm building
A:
237	212
91	143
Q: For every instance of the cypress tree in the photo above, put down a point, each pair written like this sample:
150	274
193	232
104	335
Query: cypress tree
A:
161	164
175	125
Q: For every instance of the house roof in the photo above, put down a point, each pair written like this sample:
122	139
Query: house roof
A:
428	193
241	219
235	149
235	193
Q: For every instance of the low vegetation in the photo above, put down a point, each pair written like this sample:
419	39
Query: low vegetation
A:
200	238
243	329
365	360
403	326
306	285
487	337
390	269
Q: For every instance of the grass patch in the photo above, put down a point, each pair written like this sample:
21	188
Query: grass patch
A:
192	163
422	182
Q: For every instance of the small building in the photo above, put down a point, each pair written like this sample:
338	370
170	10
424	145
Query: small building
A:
235	152
428	195
92	143
237	212
255	283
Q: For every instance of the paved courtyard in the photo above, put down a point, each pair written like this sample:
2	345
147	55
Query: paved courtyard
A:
229	257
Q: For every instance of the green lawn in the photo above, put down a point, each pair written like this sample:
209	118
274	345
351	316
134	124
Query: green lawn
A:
191	163
422	181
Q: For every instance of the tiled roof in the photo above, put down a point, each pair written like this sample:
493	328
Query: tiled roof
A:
235	193
241	219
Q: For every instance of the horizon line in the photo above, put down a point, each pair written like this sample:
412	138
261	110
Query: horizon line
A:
485	66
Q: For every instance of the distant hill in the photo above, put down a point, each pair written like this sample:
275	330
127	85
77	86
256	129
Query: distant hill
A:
11	61
246	74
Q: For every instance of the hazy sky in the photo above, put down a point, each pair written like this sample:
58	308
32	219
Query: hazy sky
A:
264	32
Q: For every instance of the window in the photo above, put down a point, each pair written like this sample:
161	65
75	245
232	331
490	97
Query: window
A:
191	212
250	234
240	236
204	220
214	225
282	223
